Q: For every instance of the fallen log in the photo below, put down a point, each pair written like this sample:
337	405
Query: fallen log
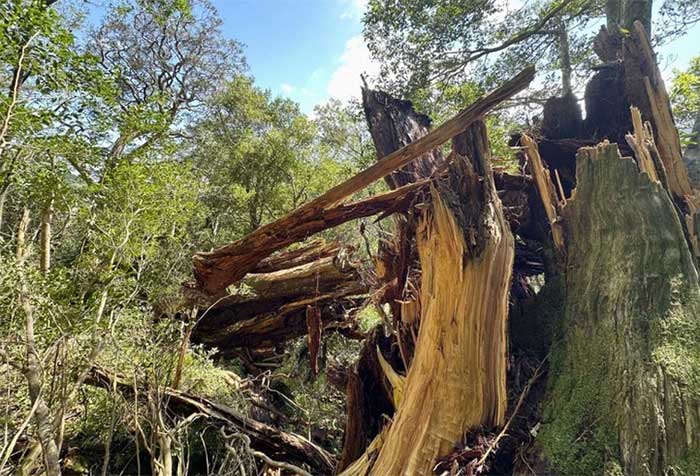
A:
272	442
217	269
271	308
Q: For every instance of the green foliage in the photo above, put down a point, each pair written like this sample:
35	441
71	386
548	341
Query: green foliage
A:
424	43
685	97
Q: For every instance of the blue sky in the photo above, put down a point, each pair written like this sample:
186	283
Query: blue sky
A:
308	50
312	50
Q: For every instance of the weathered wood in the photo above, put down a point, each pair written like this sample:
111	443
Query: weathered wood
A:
368	403
274	443
625	385
645	89
456	380
228	331
545	187
217	269
302	255
272	307
394	124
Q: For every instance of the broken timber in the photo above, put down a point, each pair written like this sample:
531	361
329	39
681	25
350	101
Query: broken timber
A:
273	308
466	254
272	442
216	270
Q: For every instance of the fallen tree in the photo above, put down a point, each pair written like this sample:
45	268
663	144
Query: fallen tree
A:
272	442
270	308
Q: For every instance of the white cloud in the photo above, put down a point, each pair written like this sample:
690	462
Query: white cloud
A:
354	9
287	88
345	81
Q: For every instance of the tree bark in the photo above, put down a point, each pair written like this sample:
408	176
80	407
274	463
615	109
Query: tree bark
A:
45	238
273	309
625	393
637	10
4	192
691	154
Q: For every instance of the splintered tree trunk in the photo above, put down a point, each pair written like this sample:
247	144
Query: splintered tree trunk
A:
393	124
457	377
626	379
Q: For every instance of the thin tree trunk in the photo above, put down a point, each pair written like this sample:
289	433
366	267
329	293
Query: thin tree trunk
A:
638	10
33	371
613	14
3	199
564	58
45	238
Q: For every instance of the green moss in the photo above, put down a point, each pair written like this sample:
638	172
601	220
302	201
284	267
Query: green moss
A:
578	435
689	465
677	346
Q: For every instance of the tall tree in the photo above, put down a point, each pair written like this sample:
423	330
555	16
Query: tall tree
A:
167	58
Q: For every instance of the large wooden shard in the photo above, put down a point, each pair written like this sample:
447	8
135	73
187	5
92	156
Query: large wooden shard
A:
216	270
271	307
457	377
645	89
625	395
274	443
393	124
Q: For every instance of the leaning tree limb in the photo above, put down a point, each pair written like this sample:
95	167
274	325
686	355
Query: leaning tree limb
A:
217	269
274	443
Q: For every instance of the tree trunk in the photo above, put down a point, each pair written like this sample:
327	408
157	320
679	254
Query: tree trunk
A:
637	10
45	239
564	58
457	377
625	394
623	13
4	192
33	370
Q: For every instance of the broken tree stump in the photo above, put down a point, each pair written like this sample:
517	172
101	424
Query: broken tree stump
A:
625	395
457	377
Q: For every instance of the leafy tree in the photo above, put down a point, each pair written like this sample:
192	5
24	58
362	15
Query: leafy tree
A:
250	151
166	59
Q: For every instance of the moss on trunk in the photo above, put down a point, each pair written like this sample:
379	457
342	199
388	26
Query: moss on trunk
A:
625	370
